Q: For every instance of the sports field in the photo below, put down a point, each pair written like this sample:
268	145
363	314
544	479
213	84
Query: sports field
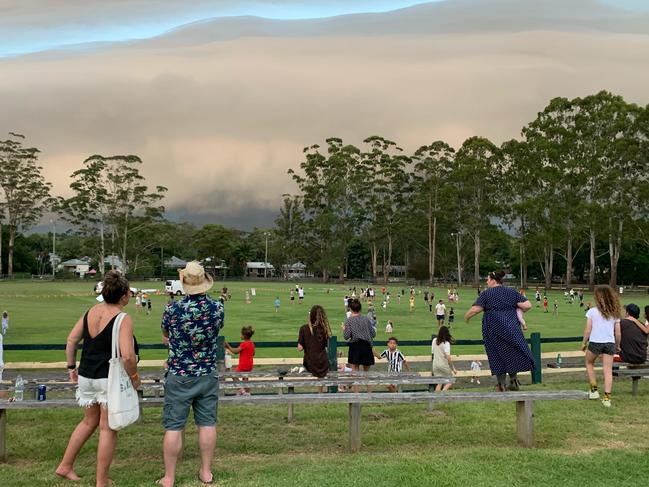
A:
44	312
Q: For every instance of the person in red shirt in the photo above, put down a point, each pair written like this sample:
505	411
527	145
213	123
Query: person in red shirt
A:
246	352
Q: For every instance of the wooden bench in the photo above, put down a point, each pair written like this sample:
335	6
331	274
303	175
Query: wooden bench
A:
636	375
524	406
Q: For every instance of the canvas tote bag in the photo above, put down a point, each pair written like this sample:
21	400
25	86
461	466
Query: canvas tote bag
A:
123	401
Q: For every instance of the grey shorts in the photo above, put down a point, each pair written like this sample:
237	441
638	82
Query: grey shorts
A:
601	348
182	393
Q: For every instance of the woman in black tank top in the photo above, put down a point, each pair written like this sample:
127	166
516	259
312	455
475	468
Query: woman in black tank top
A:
95	328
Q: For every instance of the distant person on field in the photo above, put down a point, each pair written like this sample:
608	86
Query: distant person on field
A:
411	302
545	304
138	302
602	337
389	327
313	339
537	297
451	317
504	341
277	303
633	344
300	294
440	312
442	361
555	309
396	360
95	328
192	326
246	352
148	305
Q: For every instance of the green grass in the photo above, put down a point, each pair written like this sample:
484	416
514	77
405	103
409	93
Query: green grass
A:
44	312
457	445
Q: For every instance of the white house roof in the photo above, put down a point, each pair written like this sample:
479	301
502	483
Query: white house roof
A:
259	265
74	262
175	262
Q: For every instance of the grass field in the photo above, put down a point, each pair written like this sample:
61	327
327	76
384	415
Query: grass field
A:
44	312
457	445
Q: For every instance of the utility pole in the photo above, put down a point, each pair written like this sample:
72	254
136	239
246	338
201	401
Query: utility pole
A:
266	234
53	248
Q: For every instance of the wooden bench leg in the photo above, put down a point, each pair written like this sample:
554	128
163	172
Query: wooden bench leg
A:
3	435
634	386
289	415
525	423
354	427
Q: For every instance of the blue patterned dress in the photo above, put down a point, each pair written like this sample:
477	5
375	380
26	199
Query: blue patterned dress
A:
504	342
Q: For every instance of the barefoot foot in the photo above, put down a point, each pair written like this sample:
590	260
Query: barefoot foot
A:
67	473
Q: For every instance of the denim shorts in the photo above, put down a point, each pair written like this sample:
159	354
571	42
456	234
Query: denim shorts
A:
601	348
200	393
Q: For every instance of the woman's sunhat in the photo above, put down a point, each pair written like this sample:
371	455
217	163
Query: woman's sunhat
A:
194	280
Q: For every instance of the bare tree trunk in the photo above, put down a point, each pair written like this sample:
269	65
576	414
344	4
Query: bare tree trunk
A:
548	259
459	259
374	251
569	260
10	255
102	250
591	269
476	258
614	247
387	262
523	265
125	267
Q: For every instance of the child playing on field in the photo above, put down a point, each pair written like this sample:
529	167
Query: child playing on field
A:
451	317
442	361
545	304
476	367
277	303
412	302
389	327
246	352
396	360
602	337
555	309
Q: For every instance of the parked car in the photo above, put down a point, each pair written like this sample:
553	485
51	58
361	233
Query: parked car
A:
99	287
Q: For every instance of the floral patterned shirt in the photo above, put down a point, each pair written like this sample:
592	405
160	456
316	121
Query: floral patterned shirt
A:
193	325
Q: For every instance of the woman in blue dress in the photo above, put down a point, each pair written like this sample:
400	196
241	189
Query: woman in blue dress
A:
504	342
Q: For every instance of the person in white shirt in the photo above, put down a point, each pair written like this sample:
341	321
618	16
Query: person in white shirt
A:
440	312
602	337
476	367
442	362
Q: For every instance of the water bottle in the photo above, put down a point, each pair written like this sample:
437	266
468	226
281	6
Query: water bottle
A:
19	391
559	360
228	361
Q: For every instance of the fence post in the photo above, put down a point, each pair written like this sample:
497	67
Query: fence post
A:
537	372
332	351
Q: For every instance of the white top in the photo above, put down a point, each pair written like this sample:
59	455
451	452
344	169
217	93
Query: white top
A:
475	366
5	325
440	309
445	346
300	293
603	328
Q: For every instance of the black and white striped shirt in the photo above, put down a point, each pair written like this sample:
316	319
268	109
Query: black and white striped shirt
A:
395	359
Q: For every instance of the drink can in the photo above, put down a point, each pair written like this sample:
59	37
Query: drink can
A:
42	392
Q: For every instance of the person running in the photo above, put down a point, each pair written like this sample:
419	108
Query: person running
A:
602	337
440	312
451	317
442	361
545	304
95	328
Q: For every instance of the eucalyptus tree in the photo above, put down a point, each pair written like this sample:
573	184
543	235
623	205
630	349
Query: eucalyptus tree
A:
432	169
476	178
25	193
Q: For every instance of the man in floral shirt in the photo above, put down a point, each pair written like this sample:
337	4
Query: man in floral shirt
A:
192	326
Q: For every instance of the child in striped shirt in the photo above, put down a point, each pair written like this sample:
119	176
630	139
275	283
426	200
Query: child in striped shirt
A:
396	360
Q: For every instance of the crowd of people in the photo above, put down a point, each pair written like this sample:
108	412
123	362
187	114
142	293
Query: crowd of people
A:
191	325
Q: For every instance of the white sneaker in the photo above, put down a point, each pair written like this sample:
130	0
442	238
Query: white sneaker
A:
606	403
478	381
594	395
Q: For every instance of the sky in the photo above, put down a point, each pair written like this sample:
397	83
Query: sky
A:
220	109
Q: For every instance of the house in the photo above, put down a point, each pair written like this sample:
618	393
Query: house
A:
78	267
295	271
175	263
257	269
113	262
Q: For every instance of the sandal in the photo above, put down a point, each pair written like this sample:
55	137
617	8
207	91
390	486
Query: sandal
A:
205	482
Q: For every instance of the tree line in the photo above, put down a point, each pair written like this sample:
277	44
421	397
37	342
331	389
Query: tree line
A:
567	199
574	183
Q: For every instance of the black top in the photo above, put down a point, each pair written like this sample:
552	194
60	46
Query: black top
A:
96	351
634	343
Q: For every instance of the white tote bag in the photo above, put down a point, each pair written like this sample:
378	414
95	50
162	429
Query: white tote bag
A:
123	402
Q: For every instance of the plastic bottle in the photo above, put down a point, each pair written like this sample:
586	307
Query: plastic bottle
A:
19	391
559	360
228	361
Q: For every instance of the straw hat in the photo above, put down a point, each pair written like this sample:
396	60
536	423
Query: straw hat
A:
193	278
